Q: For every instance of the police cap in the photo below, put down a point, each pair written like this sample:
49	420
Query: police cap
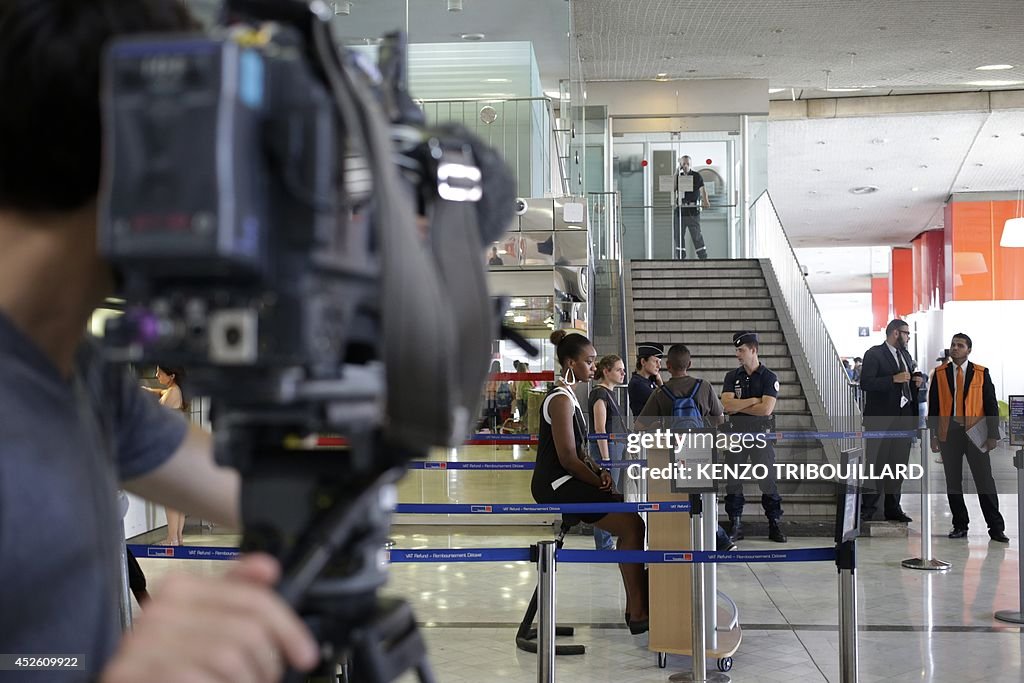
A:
746	337
648	349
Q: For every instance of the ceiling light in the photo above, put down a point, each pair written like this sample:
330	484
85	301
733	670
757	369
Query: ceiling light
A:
454	5
863	189
1013	233
496	80
661	77
343	8
994	84
842	89
772	91
473	37
994	67
879	141
969	263
914	189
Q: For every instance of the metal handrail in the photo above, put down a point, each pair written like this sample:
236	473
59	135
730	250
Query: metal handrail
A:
768	240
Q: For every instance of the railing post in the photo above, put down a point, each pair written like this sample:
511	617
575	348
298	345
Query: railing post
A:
546	616
926	561
1017	616
846	562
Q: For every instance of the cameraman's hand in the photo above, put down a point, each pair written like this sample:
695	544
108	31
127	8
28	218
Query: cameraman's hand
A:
901	377
230	628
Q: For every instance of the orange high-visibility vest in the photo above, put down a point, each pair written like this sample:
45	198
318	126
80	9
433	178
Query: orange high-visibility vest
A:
974	410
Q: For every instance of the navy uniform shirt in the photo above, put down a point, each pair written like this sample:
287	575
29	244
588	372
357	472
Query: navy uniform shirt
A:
763	382
640	389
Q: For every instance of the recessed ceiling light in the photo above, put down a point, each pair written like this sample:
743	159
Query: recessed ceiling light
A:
821	142
923	166
772	91
879	141
863	189
661	77
816	170
473	37
994	67
914	189
870	168
496	80
691	71
842	89
994	84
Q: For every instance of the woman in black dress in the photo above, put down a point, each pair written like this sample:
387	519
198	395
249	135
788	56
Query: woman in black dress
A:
565	472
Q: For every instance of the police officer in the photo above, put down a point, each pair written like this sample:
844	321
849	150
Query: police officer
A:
749	396
647	375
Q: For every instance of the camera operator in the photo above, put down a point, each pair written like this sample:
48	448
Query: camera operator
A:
71	425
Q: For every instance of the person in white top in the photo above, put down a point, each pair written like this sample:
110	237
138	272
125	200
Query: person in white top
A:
171	397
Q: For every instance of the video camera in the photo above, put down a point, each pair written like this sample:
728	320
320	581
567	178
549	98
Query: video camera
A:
286	227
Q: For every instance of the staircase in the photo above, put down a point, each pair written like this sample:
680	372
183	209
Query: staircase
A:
701	304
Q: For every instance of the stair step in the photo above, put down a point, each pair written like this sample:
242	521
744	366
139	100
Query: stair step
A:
707	264
686	335
721	361
702	350
734	315
710	294
721	329
699	275
736	307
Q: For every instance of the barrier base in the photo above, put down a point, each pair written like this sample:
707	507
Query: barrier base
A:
709	677
933	565
1010	616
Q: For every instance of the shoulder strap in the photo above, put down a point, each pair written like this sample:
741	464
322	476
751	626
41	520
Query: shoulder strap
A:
668	392
696	387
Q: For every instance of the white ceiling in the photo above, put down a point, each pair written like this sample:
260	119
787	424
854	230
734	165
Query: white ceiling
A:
902	45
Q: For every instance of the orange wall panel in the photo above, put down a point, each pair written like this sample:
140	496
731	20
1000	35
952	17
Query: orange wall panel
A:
902	276
980	269
879	302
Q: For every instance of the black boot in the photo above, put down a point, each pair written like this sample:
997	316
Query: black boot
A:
723	542
775	532
735	529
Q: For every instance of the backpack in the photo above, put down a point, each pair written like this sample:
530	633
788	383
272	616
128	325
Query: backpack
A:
503	395
685	408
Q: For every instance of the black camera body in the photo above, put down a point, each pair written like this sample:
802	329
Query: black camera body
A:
285	228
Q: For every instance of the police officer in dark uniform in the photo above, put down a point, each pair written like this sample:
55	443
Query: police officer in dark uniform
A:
748	396
647	375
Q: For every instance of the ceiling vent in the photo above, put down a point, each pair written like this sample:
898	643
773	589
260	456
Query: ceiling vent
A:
863	189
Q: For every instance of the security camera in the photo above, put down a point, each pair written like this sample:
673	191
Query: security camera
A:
521	206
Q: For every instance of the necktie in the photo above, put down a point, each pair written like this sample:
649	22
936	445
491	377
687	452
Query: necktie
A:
903	368
958	410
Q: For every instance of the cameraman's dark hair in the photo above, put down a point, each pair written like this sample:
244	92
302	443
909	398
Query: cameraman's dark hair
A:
678	357
568	346
50	57
967	340
895	325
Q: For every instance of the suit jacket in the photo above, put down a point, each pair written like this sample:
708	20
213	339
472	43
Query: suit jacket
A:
989	404
881	396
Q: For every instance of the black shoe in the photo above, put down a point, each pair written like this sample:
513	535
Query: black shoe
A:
958	533
722	541
775	533
638	627
736	530
900	516
998	536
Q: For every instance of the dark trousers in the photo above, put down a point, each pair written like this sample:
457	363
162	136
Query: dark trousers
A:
882	452
771	501
681	224
954	448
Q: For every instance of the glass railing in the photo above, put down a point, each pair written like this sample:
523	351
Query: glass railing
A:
522	129
657	242
838	395
608	291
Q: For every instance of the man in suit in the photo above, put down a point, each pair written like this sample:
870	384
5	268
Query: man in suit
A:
890	384
962	396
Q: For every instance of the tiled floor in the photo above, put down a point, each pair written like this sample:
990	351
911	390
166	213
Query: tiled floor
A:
916	626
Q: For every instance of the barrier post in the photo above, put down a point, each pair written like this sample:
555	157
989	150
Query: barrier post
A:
1011	616
698	626
846	562
926	561
709	503
124	594
546	618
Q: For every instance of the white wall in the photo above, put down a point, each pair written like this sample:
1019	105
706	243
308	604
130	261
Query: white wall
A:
843	314
996	328
650	98
142	516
